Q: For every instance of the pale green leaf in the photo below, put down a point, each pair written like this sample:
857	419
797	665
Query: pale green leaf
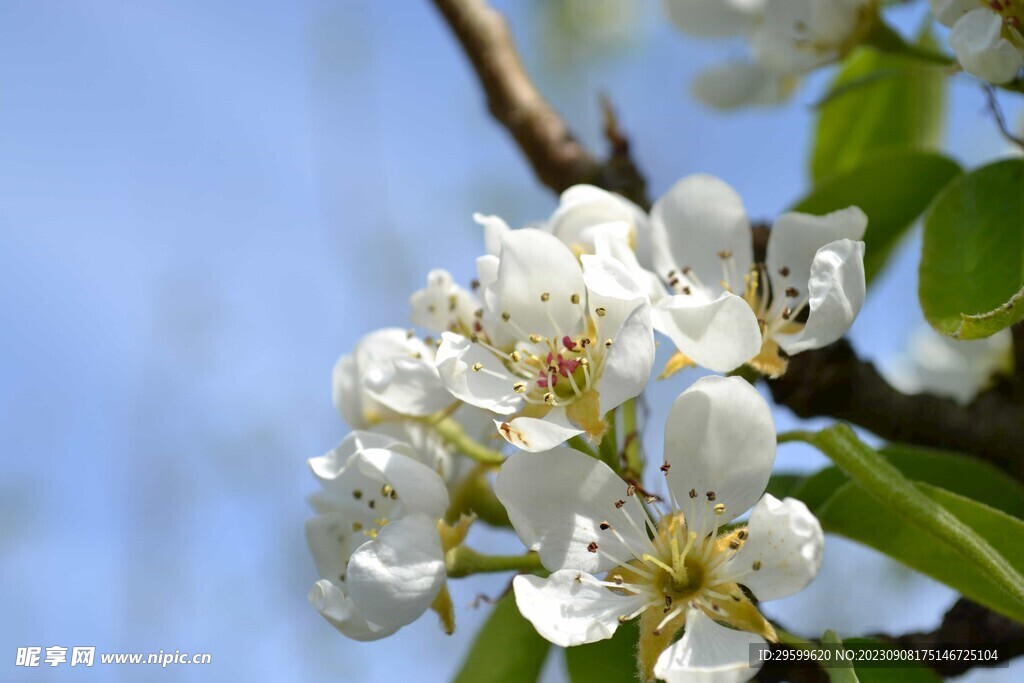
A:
878	102
893	189
971	282
607	661
507	648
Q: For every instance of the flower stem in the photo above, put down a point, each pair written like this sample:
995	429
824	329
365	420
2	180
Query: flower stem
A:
792	640
451	431
608	449
634	459
580	444
474	495
463	561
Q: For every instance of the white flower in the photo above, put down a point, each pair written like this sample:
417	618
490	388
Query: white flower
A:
953	368
682	570
388	381
375	538
986	36
787	38
390	373
726	310
443	305
558	343
585	211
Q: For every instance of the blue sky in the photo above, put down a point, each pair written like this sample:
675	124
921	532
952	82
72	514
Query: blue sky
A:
202	204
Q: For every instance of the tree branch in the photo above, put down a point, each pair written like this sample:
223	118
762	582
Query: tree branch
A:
558	159
970	625
966	624
834	382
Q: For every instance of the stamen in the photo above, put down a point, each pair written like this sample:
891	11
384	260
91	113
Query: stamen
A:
669	617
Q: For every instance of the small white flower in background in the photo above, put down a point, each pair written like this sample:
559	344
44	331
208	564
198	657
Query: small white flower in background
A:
558	340
611	562
726	311
953	368
443	306
986	37
787	38
389	380
375	538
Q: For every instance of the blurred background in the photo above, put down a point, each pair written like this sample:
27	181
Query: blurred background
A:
202	204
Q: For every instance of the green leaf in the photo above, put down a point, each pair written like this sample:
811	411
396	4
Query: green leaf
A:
893	189
507	648
961	542
954	472
855	514
906	673
607	661
839	673
782	484
878	102
971	281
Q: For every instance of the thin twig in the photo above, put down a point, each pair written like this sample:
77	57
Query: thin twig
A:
558	159
997	114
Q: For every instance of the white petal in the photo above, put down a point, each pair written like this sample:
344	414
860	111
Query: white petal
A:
332	603
418	488
795	239
455	360
536	263
720	438
720	335
977	40
948	11
699	219
571	607
394	578
330	466
610	245
713	18
429	448
392	372
837	288
739	84
611	287
495	228
331	542
797	36
582	208
487	270
557	501
787	541
346	392
535	434
708	653
948	367
627	367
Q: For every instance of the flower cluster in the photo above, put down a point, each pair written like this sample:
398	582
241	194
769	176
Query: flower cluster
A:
787	38
542	356
987	36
